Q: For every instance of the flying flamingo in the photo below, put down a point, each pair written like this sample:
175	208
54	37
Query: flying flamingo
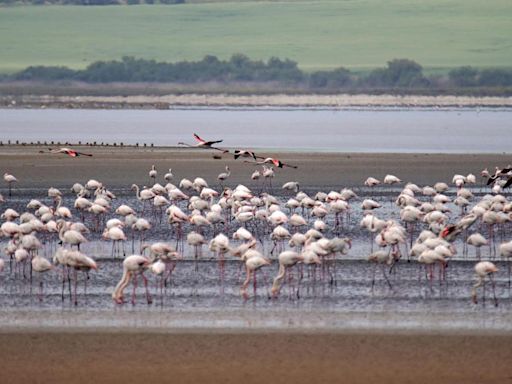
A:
270	160
201	143
243	153
69	152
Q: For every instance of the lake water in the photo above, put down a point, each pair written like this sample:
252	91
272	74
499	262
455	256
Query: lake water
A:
202	300
382	130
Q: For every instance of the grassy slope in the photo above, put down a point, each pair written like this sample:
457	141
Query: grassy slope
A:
359	34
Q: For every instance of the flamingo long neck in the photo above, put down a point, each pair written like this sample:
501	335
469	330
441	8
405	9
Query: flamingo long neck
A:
123	283
279	277
248	278
59	203
137	192
62	231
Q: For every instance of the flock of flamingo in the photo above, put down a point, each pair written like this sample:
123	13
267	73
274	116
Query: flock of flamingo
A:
236	222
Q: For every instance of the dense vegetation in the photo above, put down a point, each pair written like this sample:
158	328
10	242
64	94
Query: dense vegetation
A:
399	74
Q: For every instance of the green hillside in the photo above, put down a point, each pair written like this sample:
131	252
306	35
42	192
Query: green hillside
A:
358	34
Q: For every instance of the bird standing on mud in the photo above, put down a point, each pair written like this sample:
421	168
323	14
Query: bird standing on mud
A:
10	180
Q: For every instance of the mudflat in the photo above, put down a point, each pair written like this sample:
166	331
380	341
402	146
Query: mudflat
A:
276	357
120	167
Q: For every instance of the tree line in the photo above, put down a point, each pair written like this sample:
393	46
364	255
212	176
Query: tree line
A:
398	74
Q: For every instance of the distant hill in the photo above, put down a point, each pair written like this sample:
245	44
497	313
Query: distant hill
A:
320	34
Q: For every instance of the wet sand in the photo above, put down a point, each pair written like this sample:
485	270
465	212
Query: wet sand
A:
231	357
120	167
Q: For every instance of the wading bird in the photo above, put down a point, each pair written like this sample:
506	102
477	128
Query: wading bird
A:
10	180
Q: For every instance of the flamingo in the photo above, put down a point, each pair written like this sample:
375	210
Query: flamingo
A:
382	258
41	265
93	184
10	180
369	204
158	268
220	245
391	179
9	215
506	252
371	182
252	264
205	144
144	195
71	236
116	234
244	153
141	225
21	255
223	176
291	186
478	241
133	265
153	173
169	176
482	270
124	210
78	261
287	259
276	162
61	211
196	240
68	151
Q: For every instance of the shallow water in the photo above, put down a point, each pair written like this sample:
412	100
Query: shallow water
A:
371	131
339	298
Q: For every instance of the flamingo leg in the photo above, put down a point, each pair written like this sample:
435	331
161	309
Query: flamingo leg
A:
148	296
75	276
493	285
134	288
386	277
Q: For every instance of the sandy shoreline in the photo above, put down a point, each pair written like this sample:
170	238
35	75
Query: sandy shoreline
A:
120	167
341	101
254	358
